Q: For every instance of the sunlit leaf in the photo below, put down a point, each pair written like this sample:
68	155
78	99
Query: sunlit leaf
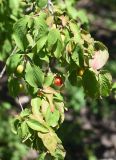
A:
37	126
34	75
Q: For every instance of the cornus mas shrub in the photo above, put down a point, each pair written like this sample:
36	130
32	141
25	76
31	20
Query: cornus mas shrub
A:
46	40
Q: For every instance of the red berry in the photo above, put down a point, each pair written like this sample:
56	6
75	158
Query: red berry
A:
58	81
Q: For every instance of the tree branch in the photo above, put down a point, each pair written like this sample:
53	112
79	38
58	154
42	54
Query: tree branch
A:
20	103
50	6
4	68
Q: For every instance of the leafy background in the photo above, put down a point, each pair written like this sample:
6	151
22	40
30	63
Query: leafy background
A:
89	130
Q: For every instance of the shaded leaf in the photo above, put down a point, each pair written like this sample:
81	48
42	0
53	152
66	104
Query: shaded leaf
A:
105	81
14	125
20	31
90	83
12	62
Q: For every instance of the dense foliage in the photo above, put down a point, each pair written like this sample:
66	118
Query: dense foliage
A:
51	47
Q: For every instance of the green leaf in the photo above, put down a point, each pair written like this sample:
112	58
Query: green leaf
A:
83	16
12	62
42	156
58	97
25	113
14	5
30	22
58	51
90	83
53	144
52	118
71	10
43	56
40	26
105	82
60	152
5	49
41	42
34	76
75	57
73	79
81	56
114	86
19	132
37	126
49	141
20	31
41	3
30	40
24	129
48	80
60	108
53	36
36	103
87	38
75	29
78	56
14	125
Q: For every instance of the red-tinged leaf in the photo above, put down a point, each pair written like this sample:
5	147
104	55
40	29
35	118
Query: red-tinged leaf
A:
99	59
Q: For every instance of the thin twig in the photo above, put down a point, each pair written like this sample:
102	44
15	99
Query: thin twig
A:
4	68
20	103
50	6
2	72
